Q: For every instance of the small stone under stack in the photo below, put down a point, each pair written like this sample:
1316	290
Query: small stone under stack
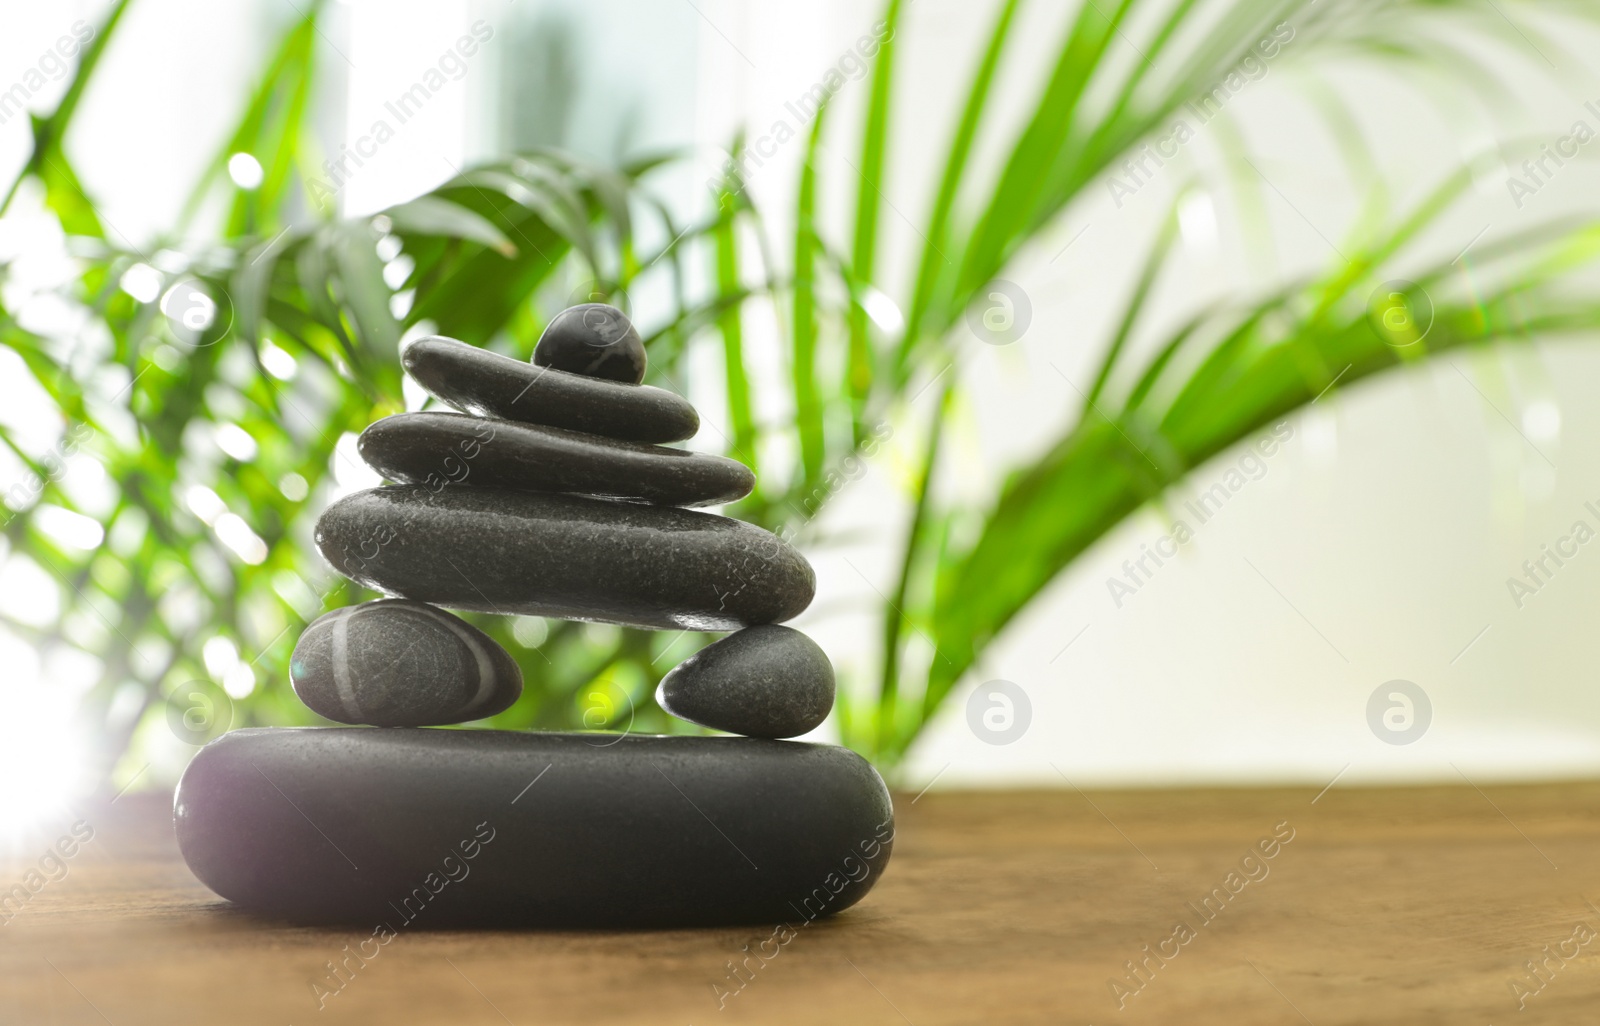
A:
550	494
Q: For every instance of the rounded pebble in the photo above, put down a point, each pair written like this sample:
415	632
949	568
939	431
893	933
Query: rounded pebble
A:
441	450
339	825
487	384
565	556
595	340
398	663
765	681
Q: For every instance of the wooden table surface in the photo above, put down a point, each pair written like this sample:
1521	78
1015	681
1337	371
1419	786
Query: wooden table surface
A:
1413	906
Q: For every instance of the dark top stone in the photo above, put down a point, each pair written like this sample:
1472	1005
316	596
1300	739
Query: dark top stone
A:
595	340
487	384
440	449
764	681
427	828
397	663
565	556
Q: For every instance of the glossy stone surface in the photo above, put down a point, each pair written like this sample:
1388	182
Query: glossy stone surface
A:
565	556
595	340
487	384
439	450
764	681
416	829
396	663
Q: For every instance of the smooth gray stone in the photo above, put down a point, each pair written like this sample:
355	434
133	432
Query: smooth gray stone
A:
594	339
487	384
415	829
443	449
565	556
398	663
763	681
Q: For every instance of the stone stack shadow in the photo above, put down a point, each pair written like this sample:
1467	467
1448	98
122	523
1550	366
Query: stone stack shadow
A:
551	493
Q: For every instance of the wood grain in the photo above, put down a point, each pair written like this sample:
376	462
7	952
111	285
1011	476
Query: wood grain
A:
1415	906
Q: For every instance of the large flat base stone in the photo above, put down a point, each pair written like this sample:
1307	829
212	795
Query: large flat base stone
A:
402	828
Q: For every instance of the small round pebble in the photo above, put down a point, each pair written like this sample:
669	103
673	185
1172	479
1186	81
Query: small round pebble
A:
594	340
764	681
398	663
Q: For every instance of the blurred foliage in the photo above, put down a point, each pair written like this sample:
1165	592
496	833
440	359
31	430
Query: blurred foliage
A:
222	436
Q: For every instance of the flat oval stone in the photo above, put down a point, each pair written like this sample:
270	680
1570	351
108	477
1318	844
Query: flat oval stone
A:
443	449
595	340
397	663
763	681
487	384
416	829
565	556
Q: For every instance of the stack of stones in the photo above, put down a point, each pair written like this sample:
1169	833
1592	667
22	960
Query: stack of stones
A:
550	493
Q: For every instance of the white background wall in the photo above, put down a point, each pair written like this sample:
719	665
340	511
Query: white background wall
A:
1376	546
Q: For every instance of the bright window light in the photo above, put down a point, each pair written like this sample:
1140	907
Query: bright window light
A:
278	362
204	503
233	532
293	487
221	655
142	282
245	171
349	469
41	771
236	442
1197	221
240	681
28	594
68	528
1541	421
397	271
883	311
